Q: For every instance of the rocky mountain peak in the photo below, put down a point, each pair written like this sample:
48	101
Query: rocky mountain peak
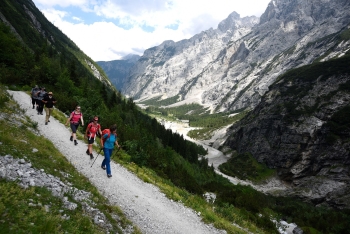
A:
234	22
131	57
231	67
230	22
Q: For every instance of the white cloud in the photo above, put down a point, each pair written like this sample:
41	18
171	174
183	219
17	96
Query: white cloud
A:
106	39
77	19
62	3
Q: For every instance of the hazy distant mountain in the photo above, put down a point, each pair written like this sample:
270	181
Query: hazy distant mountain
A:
119	70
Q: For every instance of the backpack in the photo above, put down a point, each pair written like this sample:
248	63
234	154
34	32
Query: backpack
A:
93	129
104	132
73	114
34	92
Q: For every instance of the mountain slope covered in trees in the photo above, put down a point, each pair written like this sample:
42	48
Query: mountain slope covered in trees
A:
33	51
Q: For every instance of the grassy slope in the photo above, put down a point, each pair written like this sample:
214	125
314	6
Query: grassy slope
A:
18	137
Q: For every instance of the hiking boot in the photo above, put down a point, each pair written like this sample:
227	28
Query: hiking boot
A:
75	142
91	156
109	175
103	167
45	123
87	152
71	138
33	107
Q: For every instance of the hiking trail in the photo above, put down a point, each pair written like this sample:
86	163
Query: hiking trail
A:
143	203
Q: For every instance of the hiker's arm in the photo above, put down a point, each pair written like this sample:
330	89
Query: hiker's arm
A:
82	120
69	119
101	141
116	143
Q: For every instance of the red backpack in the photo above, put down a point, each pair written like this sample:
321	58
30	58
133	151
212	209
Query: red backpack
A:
93	129
104	132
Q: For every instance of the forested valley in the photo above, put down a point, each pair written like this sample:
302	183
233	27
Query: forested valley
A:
28	59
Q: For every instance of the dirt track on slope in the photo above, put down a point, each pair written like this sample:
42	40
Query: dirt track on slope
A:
142	203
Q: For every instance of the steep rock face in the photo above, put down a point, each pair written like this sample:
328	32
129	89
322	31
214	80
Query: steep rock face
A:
230	68
302	128
170	68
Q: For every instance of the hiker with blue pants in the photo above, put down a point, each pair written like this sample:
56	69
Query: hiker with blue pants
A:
108	140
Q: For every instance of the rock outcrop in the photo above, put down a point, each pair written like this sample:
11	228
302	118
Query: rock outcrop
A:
302	129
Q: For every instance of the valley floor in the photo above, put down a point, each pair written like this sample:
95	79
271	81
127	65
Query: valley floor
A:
216	157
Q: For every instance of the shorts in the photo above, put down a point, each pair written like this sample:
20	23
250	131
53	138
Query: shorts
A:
74	127
91	140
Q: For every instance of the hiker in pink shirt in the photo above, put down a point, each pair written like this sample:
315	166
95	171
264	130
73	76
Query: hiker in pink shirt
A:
75	118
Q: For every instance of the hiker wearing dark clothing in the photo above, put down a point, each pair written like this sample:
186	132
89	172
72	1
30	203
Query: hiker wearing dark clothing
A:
34	93
108	140
74	119
41	94
90	134
49	102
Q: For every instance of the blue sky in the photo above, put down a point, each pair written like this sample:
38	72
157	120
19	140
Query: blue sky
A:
110	29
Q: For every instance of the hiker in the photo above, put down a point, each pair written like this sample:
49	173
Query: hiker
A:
75	117
49	101
34	93
40	96
90	134
108	140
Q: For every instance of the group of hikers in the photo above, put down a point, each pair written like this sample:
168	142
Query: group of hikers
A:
108	137
41	98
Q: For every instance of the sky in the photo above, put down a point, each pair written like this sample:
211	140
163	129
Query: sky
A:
108	30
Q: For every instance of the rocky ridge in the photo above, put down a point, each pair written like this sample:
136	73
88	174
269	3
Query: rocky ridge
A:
301	128
231	67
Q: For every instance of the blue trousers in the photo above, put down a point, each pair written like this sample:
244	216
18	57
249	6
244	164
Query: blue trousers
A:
107	160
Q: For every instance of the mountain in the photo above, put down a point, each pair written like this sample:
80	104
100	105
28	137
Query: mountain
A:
301	128
39	37
33	51
117	70
231	67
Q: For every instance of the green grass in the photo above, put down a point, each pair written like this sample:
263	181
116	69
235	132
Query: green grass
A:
209	212
198	116
23	210
245	167
19	137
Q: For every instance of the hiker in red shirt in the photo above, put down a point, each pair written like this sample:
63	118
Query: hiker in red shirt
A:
90	134
75	117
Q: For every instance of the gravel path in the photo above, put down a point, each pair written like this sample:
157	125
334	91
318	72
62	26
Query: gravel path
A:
141	202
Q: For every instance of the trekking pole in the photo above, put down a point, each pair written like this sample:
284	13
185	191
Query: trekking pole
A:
116	152
97	156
